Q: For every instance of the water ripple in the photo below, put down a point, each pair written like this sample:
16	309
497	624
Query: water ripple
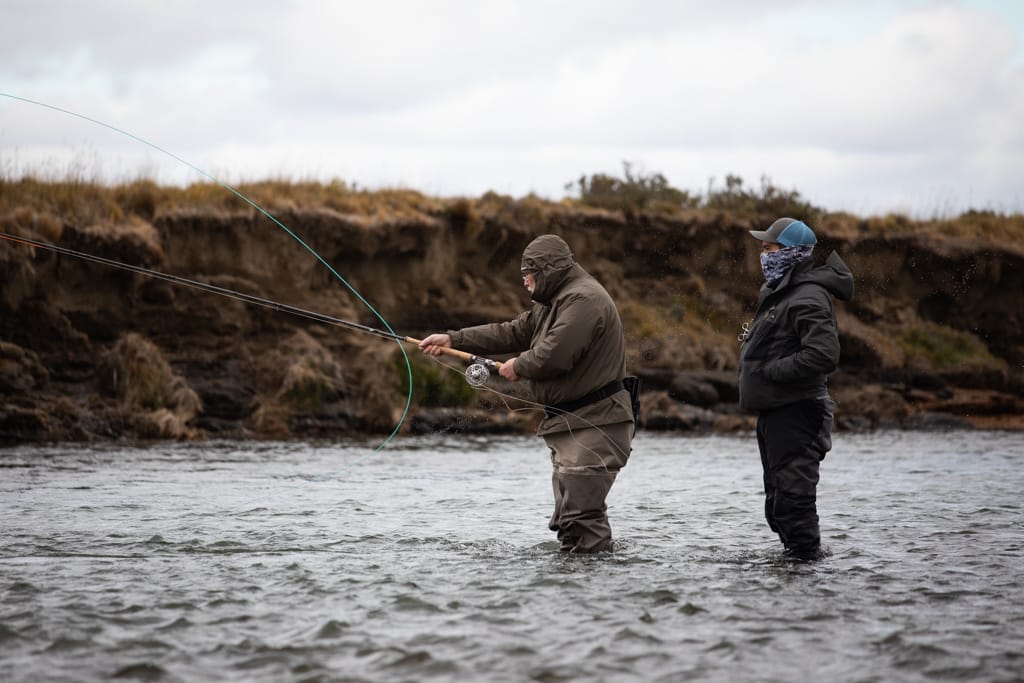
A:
428	562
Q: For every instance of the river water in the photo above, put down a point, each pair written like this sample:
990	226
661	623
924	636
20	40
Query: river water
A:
430	560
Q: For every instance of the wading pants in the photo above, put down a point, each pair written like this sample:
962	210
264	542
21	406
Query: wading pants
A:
584	464
793	440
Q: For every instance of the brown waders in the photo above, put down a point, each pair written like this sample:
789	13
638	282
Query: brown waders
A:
584	464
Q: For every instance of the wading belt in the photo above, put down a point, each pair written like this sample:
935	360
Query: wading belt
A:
607	390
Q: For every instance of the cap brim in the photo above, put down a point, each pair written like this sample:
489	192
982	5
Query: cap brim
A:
763	235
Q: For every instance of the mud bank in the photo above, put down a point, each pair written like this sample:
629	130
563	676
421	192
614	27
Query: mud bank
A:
934	337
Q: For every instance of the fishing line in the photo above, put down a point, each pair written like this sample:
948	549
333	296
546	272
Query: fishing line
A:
539	407
267	214
476	374
206	287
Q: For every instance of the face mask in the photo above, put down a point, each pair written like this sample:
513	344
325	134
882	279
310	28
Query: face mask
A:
775	264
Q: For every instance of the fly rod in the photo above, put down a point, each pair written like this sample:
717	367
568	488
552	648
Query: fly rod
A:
476	374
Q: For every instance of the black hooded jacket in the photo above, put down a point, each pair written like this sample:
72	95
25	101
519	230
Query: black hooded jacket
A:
793	343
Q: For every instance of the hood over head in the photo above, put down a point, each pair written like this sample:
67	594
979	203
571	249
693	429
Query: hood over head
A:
549	258
833	275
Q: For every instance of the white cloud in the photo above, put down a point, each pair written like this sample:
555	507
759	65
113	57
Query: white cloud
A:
860	106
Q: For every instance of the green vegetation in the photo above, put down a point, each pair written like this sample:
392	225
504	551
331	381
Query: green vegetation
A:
941	348
307	388
633	193
434	384
638	191
768	203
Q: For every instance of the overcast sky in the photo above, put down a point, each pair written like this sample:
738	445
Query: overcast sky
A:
865	106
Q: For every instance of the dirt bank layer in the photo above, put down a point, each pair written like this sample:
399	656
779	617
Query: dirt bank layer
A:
933	338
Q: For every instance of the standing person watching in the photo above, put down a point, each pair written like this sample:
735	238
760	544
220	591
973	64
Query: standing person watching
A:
572	352
787	353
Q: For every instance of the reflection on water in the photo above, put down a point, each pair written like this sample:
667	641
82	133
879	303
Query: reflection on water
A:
431	561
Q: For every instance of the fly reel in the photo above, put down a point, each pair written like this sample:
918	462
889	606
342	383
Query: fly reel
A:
477	375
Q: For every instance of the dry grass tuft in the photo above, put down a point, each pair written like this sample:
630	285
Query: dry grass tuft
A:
46	204
159	402
301	374
299	377
980	227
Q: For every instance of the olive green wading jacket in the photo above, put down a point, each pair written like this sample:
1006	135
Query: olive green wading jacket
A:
570	343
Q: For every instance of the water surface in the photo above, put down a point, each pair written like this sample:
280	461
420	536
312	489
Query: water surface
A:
431	561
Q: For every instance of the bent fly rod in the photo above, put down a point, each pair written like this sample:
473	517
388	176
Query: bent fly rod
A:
477	373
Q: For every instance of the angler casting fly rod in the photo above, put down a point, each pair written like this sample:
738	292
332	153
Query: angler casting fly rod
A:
477	373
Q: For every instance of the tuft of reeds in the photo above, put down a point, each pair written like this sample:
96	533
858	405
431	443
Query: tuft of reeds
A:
158	401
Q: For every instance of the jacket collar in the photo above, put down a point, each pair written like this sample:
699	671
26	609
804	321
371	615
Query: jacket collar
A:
782	283
551	282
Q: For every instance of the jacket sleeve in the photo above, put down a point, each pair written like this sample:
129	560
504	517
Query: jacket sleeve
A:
556	353
496	338
815	325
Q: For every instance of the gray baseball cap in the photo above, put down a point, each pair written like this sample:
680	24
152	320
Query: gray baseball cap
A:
789	232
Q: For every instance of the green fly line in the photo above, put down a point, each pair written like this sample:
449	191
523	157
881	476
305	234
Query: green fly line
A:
273	219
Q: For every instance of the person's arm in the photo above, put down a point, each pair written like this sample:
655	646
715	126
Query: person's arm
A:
496	338
568	338
815	324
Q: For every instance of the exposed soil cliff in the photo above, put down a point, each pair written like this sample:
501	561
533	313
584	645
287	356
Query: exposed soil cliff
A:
933	338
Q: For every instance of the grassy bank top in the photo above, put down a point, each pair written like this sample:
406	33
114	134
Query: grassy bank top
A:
48	204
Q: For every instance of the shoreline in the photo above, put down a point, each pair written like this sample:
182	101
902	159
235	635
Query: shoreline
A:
933	338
